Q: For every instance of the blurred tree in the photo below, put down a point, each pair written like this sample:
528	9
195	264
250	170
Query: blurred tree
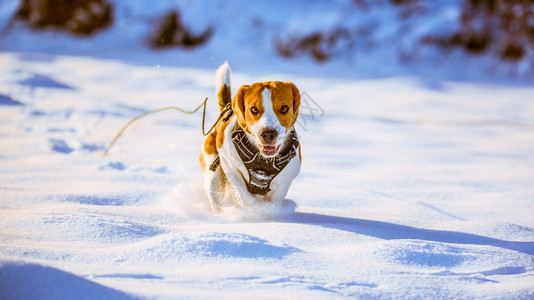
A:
172	32
319	45
504	28
83	17
323	45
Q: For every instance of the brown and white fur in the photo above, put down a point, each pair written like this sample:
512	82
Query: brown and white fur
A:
267	112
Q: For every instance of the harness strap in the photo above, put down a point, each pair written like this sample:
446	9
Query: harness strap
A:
261	170
215	164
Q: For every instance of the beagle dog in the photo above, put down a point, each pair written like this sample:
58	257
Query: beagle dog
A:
253	153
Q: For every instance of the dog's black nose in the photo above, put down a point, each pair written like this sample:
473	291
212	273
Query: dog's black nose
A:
268	135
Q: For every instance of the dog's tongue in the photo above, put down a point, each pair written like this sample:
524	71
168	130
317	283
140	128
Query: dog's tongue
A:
270	149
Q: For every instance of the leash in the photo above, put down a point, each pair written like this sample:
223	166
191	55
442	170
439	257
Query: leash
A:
226	111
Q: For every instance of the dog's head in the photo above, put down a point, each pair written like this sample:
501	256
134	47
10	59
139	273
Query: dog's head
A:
267	110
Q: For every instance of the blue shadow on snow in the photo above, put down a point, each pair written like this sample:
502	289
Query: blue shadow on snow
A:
390	231
238	245
41	81
32	281
6	100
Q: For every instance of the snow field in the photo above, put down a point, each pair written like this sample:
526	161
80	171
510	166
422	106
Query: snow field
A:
410	188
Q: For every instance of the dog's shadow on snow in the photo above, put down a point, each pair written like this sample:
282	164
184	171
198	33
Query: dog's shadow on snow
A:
390	231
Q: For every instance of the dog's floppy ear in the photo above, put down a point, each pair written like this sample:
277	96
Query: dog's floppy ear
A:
296	98
238	106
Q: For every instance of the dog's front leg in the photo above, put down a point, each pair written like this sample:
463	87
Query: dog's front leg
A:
241	195
214	183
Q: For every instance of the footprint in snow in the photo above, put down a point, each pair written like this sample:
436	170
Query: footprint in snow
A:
90	147
60	146
6	100
114	165
41	81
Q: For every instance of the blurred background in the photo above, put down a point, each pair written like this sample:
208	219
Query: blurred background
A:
441	39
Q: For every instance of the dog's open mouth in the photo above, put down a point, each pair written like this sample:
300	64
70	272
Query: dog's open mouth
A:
269	150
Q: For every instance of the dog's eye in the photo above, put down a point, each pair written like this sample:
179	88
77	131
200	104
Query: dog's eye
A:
284	109
254	110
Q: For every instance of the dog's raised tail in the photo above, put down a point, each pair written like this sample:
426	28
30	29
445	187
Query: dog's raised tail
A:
222	85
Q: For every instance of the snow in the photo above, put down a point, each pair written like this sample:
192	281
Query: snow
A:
408	189
413	185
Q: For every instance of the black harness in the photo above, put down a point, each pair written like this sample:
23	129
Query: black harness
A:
261	170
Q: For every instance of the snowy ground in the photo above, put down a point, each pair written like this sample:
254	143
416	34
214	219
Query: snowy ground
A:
410	188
